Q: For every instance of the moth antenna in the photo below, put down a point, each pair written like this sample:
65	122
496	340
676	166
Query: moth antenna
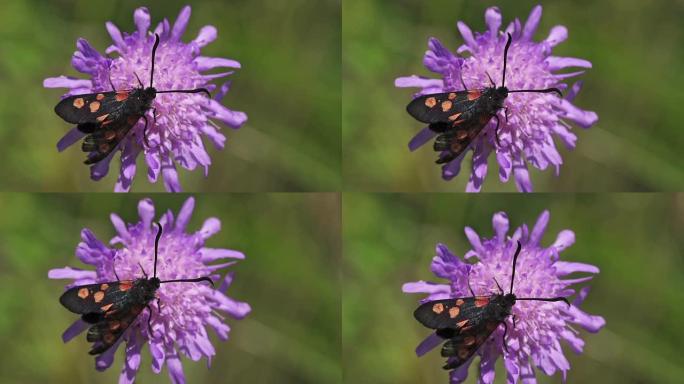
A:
195	280
515	259
156	247
563	299
508	44
547	90
198	90
154	52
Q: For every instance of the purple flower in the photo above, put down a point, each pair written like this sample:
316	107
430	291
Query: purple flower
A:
182	119
186	308
533	118
540	326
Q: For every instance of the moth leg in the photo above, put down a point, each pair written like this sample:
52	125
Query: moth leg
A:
497	284
496	131
110	82
117	276
158	305
147	143
490	79
504	337
514	317
506	114
463	82
139	82
149	320
143	270
469	287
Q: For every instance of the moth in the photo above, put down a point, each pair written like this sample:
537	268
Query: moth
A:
467	322
112	307
458	117
107	117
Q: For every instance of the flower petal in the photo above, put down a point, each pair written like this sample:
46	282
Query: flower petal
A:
532	23
564	239
132	363
129	156
467	36
539	228
71	273
522	175
584	119
211	254
413	81
66	82
141	17
185	214
206	35
557	35
420	138
234	119
565	268
204	63
175	369
69	139
116	35
493	21
170	175
74	330
181	23
428	344
425	287
475	241
501	225
555	63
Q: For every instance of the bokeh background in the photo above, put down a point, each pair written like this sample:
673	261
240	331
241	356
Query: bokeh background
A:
289	86
637	51
290	278
635	239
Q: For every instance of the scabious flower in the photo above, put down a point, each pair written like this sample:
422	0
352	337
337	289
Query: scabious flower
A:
533	118
182	119
186	308
540	326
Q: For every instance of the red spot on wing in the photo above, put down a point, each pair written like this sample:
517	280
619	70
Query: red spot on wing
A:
481	301
125	285
121	95
474	94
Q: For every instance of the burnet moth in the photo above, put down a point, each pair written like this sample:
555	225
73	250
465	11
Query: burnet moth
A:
113	306
459	116
467	322
107	117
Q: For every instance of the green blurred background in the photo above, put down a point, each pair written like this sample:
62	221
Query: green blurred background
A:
635	239
290	278
637	50
289	86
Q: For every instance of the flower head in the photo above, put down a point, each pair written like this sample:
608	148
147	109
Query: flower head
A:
181	119
539	326
526	135
186	309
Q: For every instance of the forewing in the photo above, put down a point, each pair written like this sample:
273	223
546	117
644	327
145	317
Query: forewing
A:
94	301
106	332
91	107
455	314
104	137
445	107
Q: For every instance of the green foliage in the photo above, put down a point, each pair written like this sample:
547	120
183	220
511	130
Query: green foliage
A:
288	86
635	87
635	239
289	278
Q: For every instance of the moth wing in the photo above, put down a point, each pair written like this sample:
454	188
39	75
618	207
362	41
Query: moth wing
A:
105	333
87	108
462	346
441	107
93	301
454	314
456	140
103	137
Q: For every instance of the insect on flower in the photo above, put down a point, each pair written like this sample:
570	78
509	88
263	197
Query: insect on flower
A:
107	117
458	117
468	322
113	306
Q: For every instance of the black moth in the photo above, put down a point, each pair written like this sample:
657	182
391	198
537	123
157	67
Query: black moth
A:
113	306
467	322
459	116
107	117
